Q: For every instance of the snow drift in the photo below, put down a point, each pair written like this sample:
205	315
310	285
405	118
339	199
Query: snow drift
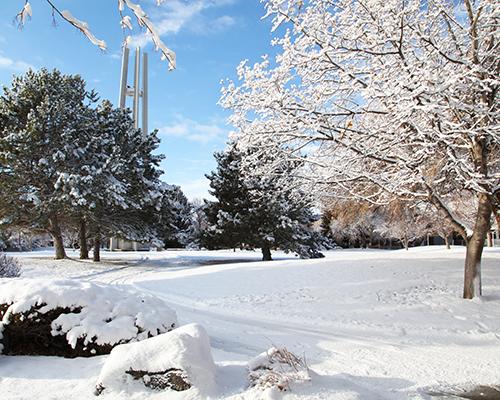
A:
179	360
70	318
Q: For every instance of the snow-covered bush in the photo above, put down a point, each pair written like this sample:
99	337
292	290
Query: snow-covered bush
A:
277	368
9	267
72	319
179	360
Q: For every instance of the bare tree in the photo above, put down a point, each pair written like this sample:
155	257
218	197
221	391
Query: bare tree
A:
352	223
383	99
403	220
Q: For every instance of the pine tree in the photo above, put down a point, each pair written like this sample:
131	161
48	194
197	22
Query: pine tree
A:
227	216
64	162
175	218
44	121
258	212
118	188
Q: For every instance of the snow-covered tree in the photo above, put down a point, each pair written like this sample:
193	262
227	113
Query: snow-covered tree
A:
258	212
64	162
126	9
437	224
351	223
43	117
199	223
175	224
227	215
404	221
116	184
383	99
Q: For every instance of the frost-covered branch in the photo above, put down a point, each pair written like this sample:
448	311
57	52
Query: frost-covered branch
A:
380	100
125	22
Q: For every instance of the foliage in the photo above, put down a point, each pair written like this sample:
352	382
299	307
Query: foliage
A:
63	161
9	267
176	225
277	368
382	99
258	212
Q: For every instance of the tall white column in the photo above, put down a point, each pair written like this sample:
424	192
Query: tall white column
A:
124	78
136	86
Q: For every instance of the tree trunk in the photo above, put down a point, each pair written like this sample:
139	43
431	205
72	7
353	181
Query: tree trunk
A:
405	242
472	275
447	241
82	237
490	239
266	253
97	248
55	231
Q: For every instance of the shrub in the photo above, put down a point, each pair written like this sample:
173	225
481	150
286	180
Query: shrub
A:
9	267
277	368
76	319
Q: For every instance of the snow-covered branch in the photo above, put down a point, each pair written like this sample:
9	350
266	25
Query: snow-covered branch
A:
381	99
125	22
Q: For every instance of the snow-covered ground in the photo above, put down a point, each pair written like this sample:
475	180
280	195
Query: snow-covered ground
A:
371	324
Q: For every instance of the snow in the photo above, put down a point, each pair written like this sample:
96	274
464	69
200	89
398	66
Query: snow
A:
108	314
372	324
186	348
276	370
84	28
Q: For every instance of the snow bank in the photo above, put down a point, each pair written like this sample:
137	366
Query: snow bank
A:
186	349
91	313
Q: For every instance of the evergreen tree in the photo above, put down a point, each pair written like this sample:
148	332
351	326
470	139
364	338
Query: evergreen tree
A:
258	212
226	217
118	188
175	224
64	162
44	122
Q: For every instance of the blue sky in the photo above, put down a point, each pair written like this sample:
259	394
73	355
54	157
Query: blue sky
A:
210	38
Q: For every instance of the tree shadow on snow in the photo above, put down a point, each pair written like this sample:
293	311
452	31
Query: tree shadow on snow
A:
362	387
48	367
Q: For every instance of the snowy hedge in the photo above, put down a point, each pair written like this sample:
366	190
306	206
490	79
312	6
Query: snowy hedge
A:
179	360
70	318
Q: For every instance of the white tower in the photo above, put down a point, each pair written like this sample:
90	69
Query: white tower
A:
136	93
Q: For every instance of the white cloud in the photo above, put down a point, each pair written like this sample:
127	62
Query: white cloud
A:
117	55
194	131
196	189
14	65
226	21
175	15
217	25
